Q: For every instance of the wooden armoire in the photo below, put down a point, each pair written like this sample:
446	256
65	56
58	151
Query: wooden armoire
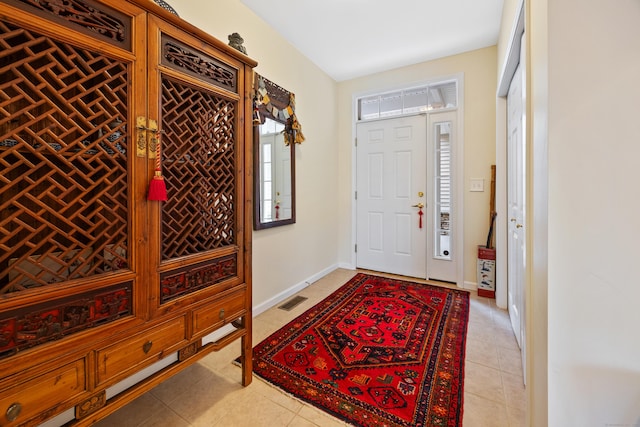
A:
97	282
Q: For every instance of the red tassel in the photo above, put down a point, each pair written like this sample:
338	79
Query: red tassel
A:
157	188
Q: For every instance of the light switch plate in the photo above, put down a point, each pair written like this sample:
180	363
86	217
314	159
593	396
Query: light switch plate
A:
477	184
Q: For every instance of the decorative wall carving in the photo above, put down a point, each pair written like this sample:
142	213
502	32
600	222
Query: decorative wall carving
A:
278	103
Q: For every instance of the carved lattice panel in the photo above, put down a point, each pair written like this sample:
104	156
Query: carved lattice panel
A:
63	161
198	163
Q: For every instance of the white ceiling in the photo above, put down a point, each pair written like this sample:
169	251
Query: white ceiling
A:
353	38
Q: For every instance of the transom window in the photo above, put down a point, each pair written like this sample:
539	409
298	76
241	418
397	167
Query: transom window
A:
426	98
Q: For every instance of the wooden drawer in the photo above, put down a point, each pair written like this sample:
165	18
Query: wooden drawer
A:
29	399
219	312
128	356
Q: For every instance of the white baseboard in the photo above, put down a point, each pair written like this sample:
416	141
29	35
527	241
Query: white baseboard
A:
470	286
264	306
346	266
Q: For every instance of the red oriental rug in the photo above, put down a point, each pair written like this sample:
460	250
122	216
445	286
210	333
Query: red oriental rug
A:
376	352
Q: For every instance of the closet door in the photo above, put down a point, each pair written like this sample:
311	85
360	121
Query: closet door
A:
197	246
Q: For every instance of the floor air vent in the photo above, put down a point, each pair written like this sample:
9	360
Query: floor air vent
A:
289	305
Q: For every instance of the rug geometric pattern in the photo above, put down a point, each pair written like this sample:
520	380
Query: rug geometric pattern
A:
376	352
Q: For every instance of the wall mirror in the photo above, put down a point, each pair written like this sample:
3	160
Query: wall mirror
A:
274	156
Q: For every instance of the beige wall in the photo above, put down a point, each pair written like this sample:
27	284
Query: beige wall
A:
593	238
286	257
479	69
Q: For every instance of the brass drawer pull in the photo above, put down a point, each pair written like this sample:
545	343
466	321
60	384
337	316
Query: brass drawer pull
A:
13	411
146	347
221	315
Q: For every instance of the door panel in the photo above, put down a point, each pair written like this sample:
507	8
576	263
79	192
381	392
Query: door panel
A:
197	247
391	173
70	200
515	200
375	231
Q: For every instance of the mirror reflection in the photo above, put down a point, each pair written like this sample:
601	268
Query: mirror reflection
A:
275	183
276	130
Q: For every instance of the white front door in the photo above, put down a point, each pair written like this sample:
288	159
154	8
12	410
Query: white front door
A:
516	255
391	186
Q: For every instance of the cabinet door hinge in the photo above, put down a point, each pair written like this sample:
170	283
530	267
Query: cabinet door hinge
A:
355	249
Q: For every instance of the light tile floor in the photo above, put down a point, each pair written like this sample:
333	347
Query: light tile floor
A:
209	393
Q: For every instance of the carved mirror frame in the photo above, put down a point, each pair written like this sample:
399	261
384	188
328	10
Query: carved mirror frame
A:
278	100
